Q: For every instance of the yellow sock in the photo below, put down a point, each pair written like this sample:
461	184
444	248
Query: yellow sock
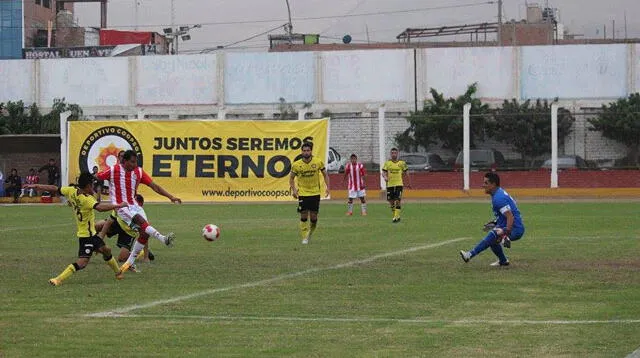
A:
140	255
66	273
113	264
312	228
398	212
304	229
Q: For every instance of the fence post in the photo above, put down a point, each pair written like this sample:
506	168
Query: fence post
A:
64	148
466	143
381	145
554	145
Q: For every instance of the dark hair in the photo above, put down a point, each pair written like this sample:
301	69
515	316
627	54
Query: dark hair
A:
140	199
353	156
307	144
128	154
85	179
394	148
493	178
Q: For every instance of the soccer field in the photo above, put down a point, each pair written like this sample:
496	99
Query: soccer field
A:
363	287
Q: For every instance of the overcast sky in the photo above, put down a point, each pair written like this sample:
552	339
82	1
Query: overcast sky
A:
227	21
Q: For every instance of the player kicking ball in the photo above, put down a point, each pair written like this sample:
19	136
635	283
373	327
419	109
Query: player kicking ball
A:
507	227
82	202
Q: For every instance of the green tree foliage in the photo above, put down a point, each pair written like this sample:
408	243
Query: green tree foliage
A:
16	118
620	121
440	122
527	127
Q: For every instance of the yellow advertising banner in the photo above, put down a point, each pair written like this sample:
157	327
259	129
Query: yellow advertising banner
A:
201	160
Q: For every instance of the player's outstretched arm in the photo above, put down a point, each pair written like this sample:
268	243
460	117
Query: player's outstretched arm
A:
45	187
102	207
160	190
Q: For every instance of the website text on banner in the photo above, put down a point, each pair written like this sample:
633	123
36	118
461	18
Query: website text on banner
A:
201	160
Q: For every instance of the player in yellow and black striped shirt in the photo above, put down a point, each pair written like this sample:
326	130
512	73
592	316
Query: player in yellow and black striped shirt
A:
83	203
392	172
307	170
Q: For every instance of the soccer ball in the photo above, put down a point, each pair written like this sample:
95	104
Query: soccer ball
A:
210	232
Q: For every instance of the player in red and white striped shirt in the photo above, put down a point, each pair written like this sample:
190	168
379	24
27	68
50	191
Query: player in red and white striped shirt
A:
355	173
124	179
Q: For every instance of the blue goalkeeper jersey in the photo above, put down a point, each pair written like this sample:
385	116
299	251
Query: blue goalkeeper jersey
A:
502	202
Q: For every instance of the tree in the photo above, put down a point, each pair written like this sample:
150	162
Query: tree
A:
16	118
527	127
440	122
620	121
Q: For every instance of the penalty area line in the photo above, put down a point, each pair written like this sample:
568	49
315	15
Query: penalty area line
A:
464	322
124	310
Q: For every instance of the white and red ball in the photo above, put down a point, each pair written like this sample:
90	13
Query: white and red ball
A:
211	232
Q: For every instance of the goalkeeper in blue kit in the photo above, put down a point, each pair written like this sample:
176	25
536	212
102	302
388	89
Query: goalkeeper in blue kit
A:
507	226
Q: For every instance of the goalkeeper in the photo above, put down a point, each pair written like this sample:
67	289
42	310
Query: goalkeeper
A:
506	228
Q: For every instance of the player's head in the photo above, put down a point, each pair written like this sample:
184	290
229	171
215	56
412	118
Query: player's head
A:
353	158
120	156
394	153
307	148
95	169
32	171
52	161
129	160
490	182
85	182
140	199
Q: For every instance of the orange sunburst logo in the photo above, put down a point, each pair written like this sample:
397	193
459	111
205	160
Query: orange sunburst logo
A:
105	153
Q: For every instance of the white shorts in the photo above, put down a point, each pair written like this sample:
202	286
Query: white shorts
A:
127	214
357	194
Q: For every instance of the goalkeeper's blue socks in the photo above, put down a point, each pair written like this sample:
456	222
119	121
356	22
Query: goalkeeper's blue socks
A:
489	241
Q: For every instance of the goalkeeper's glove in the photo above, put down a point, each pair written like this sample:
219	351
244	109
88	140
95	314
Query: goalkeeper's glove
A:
489	226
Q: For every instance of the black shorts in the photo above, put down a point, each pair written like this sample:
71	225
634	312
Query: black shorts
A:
124	240
309	203
88	245
394	192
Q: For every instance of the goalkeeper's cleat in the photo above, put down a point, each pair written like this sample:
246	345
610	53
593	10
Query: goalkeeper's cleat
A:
465	255
54	282
498	263
169	239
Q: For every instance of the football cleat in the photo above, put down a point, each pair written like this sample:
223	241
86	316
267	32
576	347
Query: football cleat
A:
54	282
364	213
349	213
498	263
465	255
151	256
169	240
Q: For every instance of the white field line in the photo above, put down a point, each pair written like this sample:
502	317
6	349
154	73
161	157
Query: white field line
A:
634	354
465	322
124	310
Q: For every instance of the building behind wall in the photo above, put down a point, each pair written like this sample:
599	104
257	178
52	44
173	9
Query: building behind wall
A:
24	23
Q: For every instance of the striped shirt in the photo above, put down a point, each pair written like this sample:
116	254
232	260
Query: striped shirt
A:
32	179
356	173
123	185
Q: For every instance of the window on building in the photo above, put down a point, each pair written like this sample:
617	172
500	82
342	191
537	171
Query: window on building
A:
38	2
46	3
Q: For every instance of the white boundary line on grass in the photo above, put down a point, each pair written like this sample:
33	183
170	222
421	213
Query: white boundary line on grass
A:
634	354
124	310
385	320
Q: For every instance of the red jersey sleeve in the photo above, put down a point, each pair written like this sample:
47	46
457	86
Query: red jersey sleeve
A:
145	178
104	175
363	171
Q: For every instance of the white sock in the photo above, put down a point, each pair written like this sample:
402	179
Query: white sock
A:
137	247
155	233
350	207
364	208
